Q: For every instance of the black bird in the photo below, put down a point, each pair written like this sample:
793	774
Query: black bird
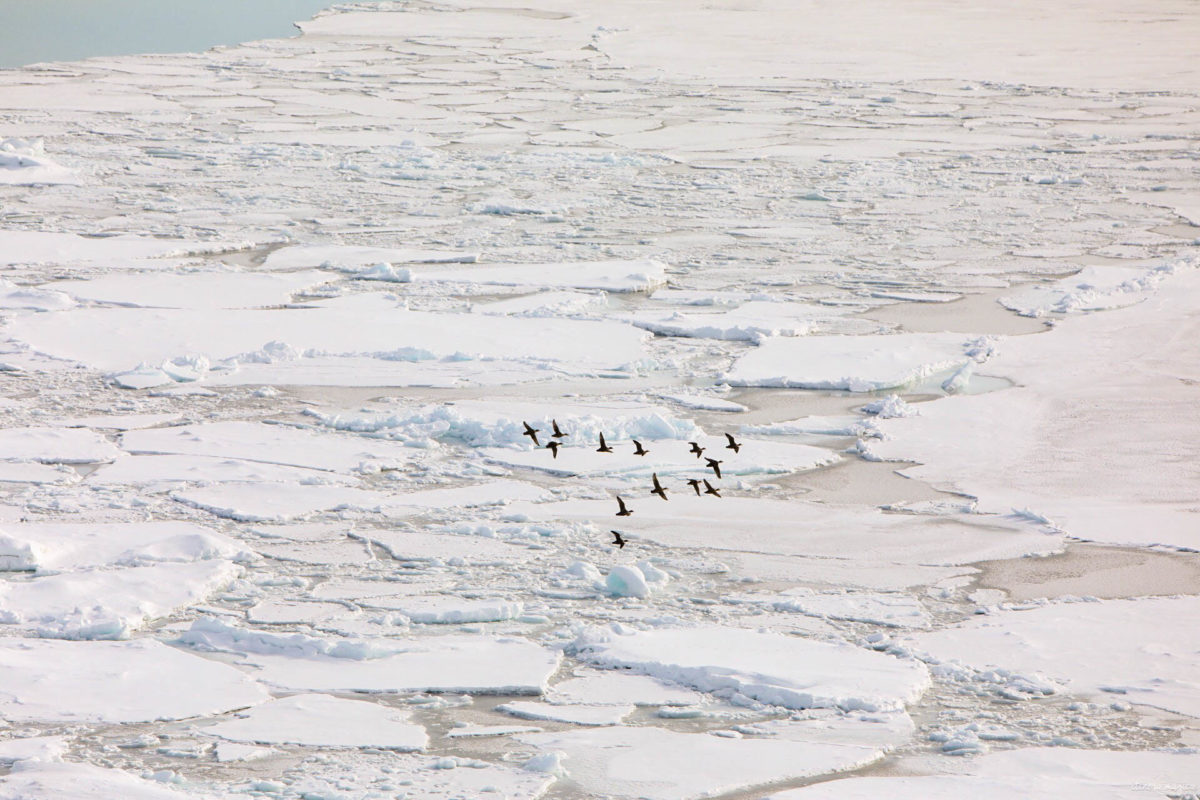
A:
557	433
617	540
708	488
603	448
532	434
624	512
553	448
658	489
697	449
716	465
638	450
695	484
734	446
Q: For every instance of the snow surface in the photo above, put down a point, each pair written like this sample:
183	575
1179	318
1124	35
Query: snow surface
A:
854	363
1151	648
767	667
114	682
318	720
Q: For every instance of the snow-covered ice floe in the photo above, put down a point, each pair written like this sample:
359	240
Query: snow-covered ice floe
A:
285	345
57	546
767	667
136	681
1035	773
854	363
1151	649
319	720
451	663
610	276
1090	289
1073	408
755	321
25	162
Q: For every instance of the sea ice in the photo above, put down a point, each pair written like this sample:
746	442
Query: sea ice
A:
167	471
318	720
46	780
1090	289
618	688
193	290
890	610
610	276
607	714
24	163
270	444
55	446
854	363
349	257
1023	448
109	604
274	502
1151	648
57	546
448	609
451	663
767	667
656	764
17	297
113	682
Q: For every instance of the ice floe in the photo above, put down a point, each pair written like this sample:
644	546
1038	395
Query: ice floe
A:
57	546
55	446
1150	648
13	296
854	363
352	257
24	163
193	290
274	502
451	663
610	276
754	322
890	610
38	779
109	604
269	444
1021	449
134	681
1035	773
658	764
575	714
766	667
318	720
117	339
1090	289
618	688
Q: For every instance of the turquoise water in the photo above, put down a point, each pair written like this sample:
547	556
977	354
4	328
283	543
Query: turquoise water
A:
68	30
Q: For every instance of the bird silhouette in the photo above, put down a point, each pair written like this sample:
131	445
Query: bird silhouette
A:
638	450
695	484
716	465
658	487
603	448
557	433
709	489
531	433
617	540
734	446
553	448
624	512
697	449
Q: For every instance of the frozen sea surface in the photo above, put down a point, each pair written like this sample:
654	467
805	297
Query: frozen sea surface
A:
896	306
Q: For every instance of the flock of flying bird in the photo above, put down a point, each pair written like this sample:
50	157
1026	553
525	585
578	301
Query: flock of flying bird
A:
659	489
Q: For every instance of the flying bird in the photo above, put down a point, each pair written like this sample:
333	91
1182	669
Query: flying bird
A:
638	450
532	434
658	488
603	448
617	540
557	433
695	484
734	446
553	448
709	489
716	465
624	512
697	449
